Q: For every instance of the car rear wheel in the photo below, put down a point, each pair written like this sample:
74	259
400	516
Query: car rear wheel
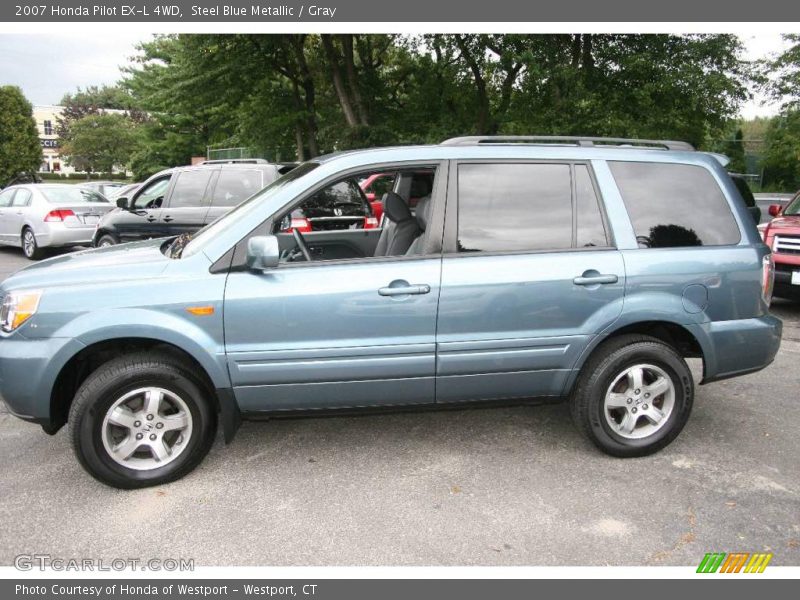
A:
633	396
141	420
29	246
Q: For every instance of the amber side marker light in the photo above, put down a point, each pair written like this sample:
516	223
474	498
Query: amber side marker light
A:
200	311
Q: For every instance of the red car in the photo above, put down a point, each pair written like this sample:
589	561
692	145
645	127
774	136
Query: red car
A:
783	236
377	184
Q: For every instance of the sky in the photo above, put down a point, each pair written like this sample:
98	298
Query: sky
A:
48	66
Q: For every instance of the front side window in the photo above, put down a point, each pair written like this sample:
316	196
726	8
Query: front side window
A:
6	197
514	207
342	205
152	196
235	185
674	205
190	188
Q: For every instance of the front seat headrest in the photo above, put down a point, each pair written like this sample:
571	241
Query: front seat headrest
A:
395	208
423	212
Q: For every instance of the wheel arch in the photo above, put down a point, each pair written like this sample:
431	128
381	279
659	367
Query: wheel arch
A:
89	358
688	340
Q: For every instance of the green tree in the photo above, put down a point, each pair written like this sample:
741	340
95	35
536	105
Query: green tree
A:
734	149
20	149
781	161
100	142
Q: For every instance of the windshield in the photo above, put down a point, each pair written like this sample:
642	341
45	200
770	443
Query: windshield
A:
70	195
793	208
191	244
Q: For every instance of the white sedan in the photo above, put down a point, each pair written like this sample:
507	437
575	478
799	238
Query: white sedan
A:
39	216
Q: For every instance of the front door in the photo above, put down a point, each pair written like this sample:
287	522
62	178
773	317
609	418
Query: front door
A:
531	277
142	219
347	332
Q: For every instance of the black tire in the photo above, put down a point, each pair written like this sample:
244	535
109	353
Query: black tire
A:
30	247
607	362
107	239
113	380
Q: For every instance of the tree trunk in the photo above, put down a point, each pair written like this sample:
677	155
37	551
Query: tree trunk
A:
306	82
338	83
481	94
352	78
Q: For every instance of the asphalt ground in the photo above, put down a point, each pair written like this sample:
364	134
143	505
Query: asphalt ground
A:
504	486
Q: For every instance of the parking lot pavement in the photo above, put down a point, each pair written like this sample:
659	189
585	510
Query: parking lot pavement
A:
506	486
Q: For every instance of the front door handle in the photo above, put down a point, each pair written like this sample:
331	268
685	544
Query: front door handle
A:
595	278
151	218
403	288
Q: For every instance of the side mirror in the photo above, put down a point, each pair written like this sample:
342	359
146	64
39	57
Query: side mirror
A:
775	210
122	203
263	252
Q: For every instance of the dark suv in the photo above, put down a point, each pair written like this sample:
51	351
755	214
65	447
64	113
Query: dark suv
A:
184	199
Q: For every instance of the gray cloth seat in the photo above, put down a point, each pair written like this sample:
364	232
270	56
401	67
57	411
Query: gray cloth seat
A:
423	215
400	228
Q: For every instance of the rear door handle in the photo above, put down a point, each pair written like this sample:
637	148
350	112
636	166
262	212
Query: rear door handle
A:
404	289
168	218
597	279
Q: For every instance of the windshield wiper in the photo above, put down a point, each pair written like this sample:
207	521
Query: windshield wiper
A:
175	249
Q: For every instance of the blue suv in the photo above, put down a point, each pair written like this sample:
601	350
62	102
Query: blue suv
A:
585	269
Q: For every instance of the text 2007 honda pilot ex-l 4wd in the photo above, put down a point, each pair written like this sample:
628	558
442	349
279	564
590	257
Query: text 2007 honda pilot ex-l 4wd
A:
582	269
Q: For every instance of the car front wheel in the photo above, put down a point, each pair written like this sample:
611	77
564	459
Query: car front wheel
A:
141	420
633	397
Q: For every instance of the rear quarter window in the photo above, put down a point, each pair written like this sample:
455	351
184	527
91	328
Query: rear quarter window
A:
674	205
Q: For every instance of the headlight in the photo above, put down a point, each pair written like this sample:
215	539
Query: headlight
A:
17	308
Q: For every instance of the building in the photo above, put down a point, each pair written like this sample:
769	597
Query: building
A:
46	116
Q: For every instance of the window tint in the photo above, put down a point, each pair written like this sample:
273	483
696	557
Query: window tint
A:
514	207
591	230
152	196
23	198
6	197
672	205
235	185
744	190
190	189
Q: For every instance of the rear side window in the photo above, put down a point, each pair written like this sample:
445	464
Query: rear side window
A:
190	188
23	198
235	185
673	205
514	207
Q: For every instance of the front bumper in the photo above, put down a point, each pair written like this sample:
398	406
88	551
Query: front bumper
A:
28	372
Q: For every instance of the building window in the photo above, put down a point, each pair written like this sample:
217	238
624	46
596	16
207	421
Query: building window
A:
48	128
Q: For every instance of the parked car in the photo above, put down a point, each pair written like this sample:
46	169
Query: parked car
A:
414	185
184	199
105	188
39	216
782	234
572	268
747	195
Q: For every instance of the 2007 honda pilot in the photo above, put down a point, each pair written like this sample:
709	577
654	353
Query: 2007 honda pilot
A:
576	268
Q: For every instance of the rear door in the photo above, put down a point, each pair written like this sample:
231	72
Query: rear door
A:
6	197
529	277
187	204
230	188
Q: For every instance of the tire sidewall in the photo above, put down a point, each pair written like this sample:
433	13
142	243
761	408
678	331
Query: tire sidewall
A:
676	370
93	451
106	236
25	232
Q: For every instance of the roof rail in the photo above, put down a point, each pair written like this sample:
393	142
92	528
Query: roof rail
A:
224	161
567	140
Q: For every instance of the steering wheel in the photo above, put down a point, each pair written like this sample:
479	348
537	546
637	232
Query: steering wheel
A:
301	243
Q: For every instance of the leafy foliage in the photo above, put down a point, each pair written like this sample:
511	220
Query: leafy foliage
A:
99	142
20	150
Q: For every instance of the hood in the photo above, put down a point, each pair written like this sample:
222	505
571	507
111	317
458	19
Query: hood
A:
125	262
785	222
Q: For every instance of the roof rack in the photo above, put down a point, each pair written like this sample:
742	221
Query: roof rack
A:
568	140
224	161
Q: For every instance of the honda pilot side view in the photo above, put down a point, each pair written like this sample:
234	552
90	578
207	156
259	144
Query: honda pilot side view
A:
578	269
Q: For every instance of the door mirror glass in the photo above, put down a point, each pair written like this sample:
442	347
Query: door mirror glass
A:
774	210
122	203
263	252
